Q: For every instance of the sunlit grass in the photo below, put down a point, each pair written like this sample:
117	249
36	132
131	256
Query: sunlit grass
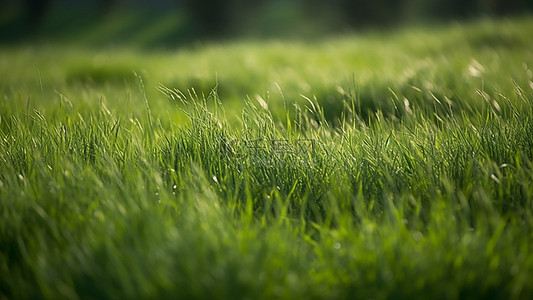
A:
372	166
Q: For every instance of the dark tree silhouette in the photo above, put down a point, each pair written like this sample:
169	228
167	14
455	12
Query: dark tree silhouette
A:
208	17
506	7
213	18
455	8
371	12
105	6
36	11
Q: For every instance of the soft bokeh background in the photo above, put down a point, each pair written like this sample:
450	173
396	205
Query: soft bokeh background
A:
158	23
282	51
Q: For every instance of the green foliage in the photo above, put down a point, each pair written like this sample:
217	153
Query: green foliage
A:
380	166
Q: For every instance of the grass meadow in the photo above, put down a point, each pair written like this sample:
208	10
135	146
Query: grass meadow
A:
379	165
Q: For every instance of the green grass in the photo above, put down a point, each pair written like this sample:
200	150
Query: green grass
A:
384	165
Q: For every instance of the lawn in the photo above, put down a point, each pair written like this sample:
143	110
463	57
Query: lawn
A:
384	164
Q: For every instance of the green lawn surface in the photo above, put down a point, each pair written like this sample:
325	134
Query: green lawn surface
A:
378	165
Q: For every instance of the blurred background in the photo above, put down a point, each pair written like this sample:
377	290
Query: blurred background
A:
161	23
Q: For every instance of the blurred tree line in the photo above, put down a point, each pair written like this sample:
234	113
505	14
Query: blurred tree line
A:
217	17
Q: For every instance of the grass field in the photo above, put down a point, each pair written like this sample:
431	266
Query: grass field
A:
383	165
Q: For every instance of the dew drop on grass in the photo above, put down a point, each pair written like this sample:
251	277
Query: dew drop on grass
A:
337	245
98	215
417	236
174	187
496	179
